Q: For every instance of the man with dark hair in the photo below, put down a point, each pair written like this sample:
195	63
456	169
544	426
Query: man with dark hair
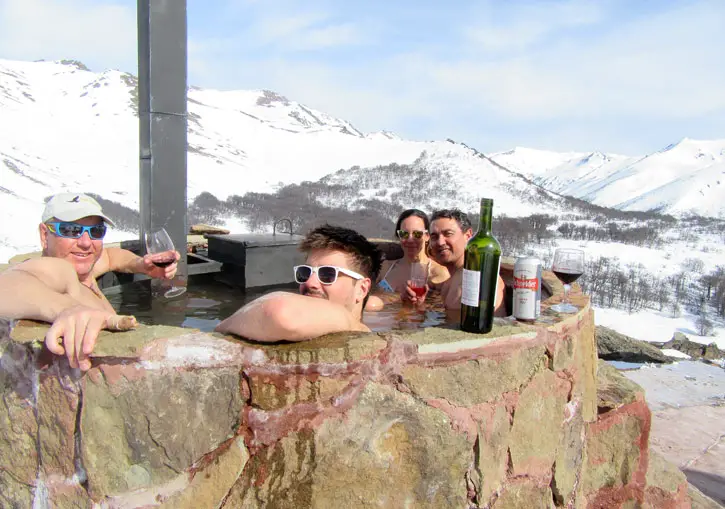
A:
450	231
338	273
60	287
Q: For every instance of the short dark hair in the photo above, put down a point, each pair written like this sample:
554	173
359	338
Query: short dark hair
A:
460	217
366	257
412	212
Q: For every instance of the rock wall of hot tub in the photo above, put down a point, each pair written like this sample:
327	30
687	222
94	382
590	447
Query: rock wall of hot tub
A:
433	418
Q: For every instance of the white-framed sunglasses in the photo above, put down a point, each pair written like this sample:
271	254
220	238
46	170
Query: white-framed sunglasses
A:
327	274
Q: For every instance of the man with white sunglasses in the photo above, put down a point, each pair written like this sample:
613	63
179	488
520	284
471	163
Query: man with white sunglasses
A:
335	283
60	287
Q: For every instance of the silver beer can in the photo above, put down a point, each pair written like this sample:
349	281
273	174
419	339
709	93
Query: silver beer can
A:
527	288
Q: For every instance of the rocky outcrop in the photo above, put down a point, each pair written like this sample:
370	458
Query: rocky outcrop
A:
432	418
613	346
681	343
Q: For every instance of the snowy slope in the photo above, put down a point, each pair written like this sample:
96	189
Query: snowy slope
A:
429	184
685	177
63	127
533	162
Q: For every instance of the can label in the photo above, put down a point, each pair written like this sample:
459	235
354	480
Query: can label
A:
527	289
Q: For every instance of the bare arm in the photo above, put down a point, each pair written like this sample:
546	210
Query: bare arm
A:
47	289
38	289
122	260
500	306
118	260
287	316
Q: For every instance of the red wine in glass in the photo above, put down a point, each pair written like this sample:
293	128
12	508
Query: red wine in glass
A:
161	247
418	278
419	290
164	261
568	266
565	277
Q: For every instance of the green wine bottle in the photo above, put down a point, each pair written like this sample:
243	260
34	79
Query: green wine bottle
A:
480	275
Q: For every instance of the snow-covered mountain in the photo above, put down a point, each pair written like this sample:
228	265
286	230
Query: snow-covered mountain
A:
63	127
686	177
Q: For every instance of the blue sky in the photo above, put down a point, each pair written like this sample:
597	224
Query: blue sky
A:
612	75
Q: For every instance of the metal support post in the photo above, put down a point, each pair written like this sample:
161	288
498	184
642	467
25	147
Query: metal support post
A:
162	84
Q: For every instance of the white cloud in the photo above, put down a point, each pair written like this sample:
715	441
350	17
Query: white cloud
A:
666	66
301	32
102	35
345	34
564	68
662	66
516	27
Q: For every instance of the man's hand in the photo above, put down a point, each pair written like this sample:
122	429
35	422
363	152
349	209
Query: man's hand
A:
154	271
75	330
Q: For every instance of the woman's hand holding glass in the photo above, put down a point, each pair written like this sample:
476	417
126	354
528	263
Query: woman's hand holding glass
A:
416	288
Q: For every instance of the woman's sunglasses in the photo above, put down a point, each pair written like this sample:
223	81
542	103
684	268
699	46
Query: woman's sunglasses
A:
327	274
76	231
405	234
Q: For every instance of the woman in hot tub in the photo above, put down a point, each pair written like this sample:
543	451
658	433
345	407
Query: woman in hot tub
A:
411	229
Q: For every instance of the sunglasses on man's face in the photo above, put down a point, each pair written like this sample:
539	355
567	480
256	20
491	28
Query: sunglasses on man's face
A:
405	234
327	274
76	231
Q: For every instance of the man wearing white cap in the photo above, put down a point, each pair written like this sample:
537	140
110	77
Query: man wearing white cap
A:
60	287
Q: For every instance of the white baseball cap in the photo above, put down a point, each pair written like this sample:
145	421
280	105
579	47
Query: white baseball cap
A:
73	206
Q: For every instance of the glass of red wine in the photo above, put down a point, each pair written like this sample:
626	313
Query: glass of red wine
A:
418	278
568	266
161	248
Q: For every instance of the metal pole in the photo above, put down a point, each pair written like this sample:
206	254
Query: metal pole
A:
162	83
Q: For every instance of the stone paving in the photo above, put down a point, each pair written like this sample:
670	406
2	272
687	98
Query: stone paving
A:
687	400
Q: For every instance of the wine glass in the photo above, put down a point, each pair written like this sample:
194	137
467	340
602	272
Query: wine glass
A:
568	265
418	278
161	248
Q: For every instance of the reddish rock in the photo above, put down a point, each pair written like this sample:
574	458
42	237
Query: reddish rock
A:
491	448
537	426
523	494
58	398
61	492
18	424
426	419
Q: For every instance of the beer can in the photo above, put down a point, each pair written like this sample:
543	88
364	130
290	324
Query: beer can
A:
527	288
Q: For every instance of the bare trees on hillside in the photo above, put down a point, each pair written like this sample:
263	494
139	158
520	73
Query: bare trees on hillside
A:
633	288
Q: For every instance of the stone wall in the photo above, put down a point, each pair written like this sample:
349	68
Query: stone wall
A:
433	418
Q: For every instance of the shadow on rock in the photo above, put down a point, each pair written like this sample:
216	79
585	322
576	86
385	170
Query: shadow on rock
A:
710	484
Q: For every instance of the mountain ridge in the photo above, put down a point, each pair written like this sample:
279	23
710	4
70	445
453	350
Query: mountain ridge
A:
66	128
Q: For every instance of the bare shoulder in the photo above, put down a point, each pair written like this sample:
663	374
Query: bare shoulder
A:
374	303
384	268
438	273
362	327
287	316
56	274
47	268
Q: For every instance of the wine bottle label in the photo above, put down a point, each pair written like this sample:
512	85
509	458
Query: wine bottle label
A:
471	287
